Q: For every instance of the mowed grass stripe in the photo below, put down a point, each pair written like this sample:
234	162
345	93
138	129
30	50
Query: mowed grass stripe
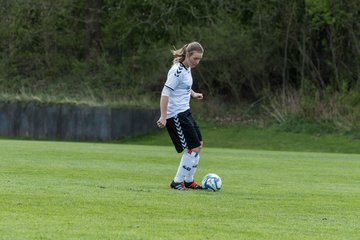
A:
64	190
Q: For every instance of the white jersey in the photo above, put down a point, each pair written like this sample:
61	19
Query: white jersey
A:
178	89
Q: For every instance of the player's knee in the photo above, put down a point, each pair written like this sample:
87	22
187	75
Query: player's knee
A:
198	149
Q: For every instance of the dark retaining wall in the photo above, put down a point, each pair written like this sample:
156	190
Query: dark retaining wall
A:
70	122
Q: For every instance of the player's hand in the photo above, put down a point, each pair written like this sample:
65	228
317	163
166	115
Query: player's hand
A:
161	123
198	96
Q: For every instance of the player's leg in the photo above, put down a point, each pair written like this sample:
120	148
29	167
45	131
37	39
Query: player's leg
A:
176	134
194	142
189	178
187	164
185	133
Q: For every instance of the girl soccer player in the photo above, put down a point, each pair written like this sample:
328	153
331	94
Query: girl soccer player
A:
176	116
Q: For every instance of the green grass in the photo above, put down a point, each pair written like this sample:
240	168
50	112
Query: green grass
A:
248	137
64	190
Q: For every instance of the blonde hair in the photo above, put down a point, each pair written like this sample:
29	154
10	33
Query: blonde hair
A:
180	54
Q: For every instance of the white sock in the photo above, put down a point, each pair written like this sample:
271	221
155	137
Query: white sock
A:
185	167
190	176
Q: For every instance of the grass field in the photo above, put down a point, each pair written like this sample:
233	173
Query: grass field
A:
66	190
247	137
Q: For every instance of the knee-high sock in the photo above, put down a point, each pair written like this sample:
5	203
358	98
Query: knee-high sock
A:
190	176
188	160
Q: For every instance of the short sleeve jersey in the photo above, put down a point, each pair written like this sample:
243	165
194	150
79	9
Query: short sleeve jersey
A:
178	89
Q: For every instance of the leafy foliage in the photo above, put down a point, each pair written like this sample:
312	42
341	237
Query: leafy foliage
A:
253	49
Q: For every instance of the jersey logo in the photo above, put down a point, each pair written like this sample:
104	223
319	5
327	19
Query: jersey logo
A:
178	71
180	132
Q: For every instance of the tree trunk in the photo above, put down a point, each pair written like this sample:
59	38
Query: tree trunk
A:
93	28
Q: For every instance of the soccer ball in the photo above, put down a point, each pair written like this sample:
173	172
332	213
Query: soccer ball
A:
211	182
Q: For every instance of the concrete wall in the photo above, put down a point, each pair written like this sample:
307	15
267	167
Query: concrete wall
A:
70	122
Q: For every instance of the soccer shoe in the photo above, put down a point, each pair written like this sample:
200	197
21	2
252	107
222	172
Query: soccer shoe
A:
179	186
193	185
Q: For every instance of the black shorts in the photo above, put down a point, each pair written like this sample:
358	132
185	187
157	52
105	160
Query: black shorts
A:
183	131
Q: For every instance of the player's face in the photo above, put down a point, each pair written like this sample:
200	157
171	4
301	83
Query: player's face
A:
194	59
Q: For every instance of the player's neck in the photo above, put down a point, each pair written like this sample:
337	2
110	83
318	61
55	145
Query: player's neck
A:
185	64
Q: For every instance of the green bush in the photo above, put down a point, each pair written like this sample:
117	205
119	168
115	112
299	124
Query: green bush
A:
294	58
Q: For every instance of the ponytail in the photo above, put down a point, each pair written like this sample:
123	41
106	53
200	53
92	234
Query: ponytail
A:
180	54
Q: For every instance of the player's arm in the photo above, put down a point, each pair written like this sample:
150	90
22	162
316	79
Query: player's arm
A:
171	83
164	100
196	95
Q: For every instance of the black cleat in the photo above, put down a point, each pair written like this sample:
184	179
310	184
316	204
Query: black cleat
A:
193	185
178	186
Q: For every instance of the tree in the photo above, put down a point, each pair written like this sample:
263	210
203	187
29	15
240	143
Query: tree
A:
93	41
